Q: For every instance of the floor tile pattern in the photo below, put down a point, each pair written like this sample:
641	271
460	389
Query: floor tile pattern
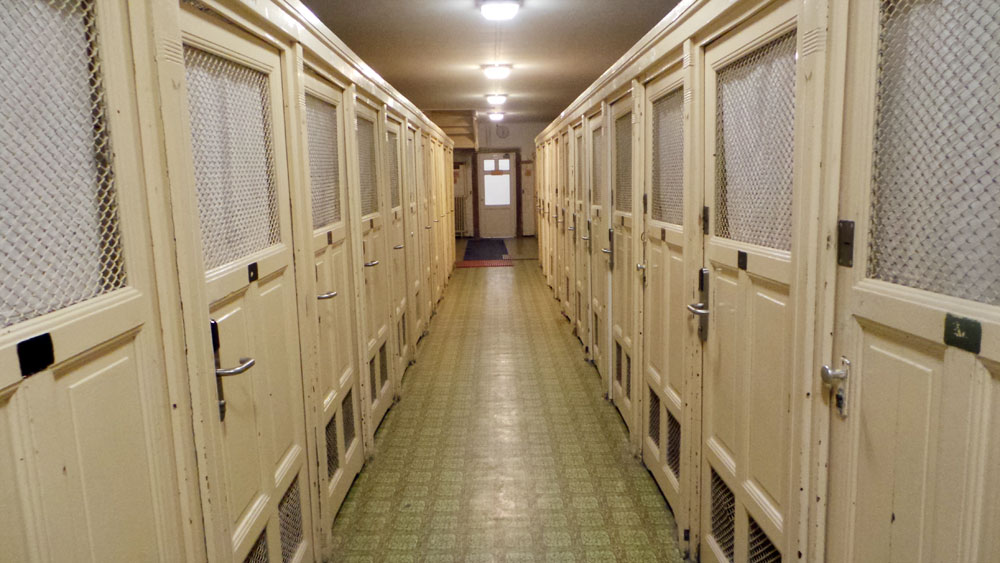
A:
502	448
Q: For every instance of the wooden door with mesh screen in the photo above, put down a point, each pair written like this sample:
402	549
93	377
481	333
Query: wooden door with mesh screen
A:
915	424
749	474
623	308
86	452
411	231
600	247
376	263
567	254
426	226
236	126
671	342
340	449
397	243
581	239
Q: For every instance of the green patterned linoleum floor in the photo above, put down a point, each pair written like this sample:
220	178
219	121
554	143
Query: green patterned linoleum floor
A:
502	447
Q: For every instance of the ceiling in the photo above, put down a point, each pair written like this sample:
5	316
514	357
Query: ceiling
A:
431	50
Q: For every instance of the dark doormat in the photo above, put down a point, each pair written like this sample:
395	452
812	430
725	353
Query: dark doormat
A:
485	249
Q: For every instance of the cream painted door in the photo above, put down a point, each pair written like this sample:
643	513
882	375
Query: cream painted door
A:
567	201
236	121
528	209
600	249
397	240
623	310
411	229
339	448
581	240
749	465
915	426
497	203
672	354
426	226
435	221
87	463
376	264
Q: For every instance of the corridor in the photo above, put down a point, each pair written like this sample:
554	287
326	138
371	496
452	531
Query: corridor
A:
502	448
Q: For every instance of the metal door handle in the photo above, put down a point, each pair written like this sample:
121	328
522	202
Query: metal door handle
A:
571	228
832	376
699	309
437	221
606	250
398	247
584	237
330	295
428	227
245	364
640	267
372	263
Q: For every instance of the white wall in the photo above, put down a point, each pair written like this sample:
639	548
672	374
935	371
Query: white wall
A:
520	136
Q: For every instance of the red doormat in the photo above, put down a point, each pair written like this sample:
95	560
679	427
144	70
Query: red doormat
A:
484	263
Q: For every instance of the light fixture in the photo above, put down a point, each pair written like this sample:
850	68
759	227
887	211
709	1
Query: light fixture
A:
496	115
499	10
496	72
496	99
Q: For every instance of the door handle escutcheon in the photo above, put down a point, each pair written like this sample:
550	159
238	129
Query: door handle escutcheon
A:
329	295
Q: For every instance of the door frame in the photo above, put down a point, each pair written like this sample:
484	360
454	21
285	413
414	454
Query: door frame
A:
478	187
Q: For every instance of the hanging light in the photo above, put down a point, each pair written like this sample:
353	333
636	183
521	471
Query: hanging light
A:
496	72
499	10
496	99
496	115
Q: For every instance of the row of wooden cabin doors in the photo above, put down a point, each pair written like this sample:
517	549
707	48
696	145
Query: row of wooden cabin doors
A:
223	306
709	298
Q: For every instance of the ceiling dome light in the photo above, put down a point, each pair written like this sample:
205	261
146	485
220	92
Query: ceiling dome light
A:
496	72
499	10
496	116
496	99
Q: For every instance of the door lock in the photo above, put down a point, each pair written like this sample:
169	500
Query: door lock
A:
837	379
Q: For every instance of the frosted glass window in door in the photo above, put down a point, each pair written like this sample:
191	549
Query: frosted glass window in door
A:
497	189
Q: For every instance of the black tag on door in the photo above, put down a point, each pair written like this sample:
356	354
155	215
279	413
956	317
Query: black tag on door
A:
35	354
963	333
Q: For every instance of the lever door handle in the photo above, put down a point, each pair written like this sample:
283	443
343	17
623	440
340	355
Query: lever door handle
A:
699	309
372	263
584	237
428	227
571	228
606	250
329	295
832	376
640	267
245	364
398	247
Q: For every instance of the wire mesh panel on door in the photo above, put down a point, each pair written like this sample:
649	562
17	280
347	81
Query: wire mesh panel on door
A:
394	186
61	242
597	167
623	163
232	139
935	201
324	161
668	159
754	141
366	166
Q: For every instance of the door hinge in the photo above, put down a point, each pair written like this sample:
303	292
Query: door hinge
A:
645	203
704	219
845	243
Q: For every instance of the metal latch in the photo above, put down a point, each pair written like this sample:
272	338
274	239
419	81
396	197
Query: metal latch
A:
837	379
